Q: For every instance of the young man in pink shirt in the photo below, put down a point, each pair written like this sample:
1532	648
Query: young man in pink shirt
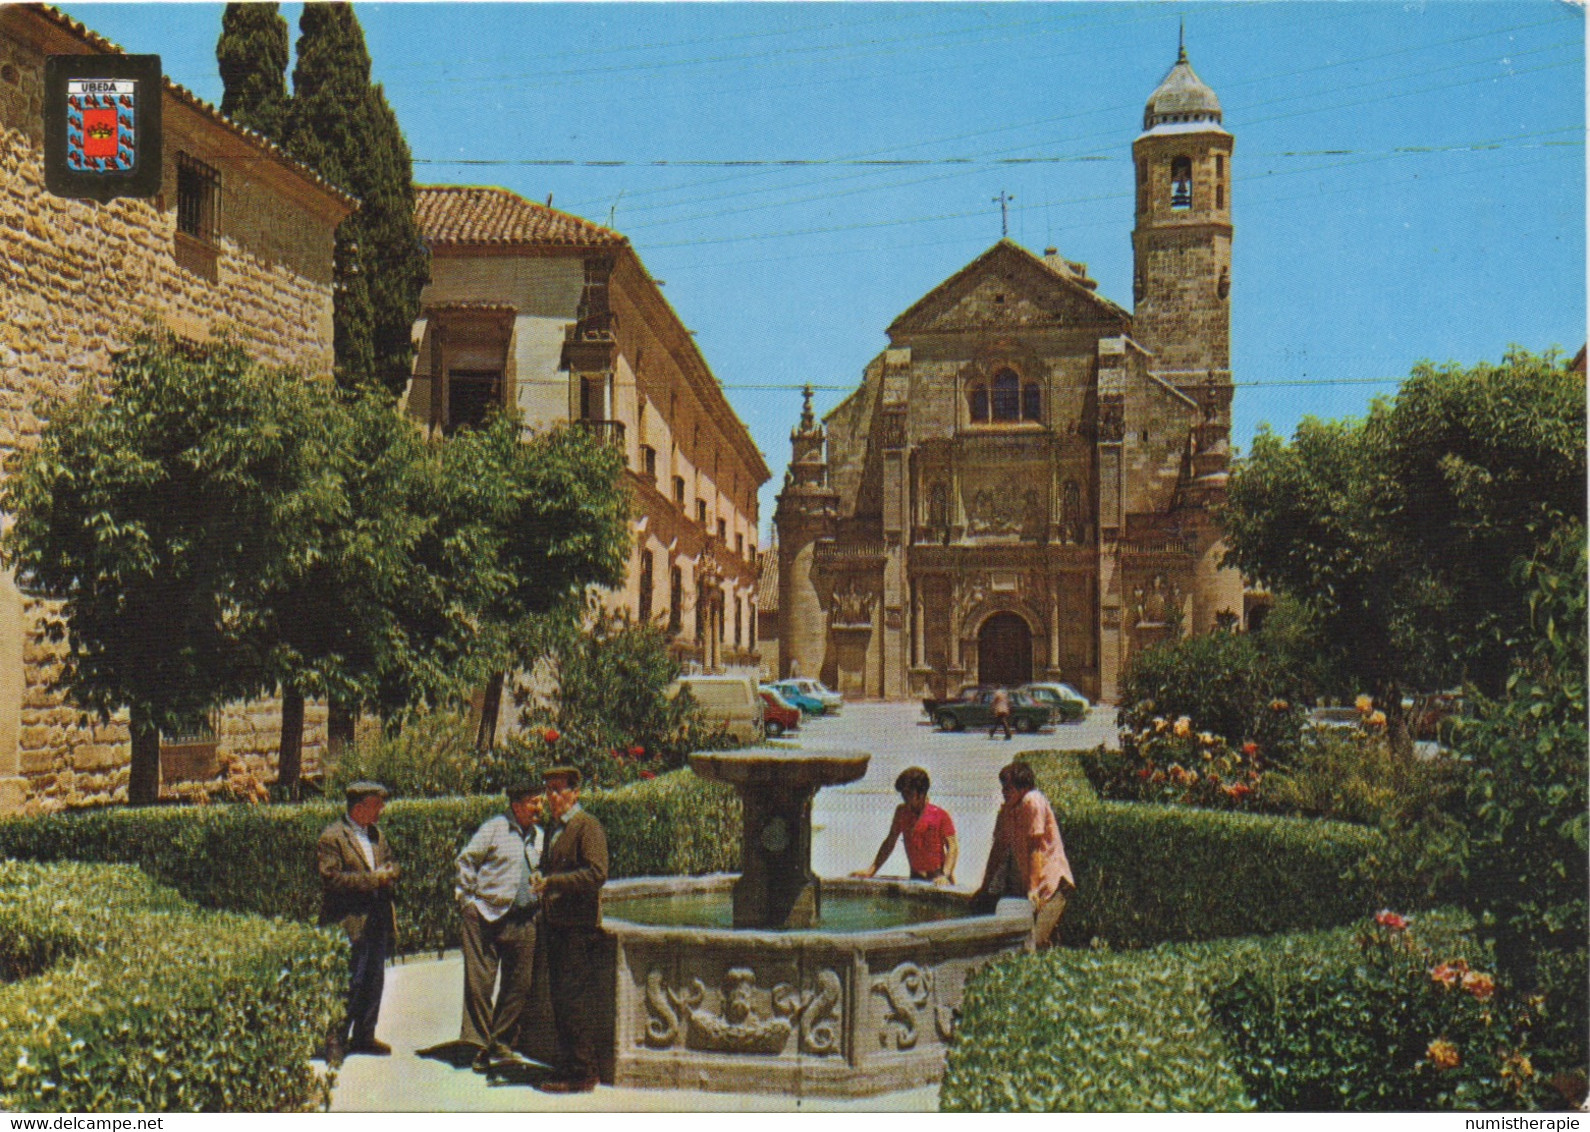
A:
1027	857
930	845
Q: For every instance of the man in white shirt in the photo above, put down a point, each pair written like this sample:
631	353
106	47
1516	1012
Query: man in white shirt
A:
496	898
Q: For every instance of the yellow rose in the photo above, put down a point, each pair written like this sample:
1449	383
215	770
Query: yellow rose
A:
1364	703
1377	719
1443	1055
1183	727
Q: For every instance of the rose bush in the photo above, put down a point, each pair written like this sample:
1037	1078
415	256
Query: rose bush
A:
1408	1027
1170	761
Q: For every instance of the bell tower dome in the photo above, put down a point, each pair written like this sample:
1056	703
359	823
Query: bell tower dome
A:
1182	240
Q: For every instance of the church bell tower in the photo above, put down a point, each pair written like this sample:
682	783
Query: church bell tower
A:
1182	240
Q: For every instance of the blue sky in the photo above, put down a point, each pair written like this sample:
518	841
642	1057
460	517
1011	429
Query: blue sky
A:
1409	178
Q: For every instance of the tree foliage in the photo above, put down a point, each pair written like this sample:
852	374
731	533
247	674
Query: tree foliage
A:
252	55
152	514
1526	808
1397	533
341	125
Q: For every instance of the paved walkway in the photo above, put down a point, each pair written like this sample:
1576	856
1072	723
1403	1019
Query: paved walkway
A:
424	995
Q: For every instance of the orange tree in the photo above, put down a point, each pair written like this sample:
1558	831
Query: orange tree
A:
149	514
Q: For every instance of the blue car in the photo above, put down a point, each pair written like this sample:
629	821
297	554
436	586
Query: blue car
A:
793	696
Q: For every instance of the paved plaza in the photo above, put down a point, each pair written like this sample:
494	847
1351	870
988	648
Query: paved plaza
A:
424	994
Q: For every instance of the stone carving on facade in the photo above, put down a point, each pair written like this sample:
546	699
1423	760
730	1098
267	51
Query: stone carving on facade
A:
906	990
1112	422
814	1016
1002	511
893	429
1034	519
969	591
852	604
938	515
1156	604
1072	529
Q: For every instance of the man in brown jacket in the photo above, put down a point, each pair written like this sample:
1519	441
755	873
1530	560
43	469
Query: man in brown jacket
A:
574	868
358	873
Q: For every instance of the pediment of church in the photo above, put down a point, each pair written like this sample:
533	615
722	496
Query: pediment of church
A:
1008	288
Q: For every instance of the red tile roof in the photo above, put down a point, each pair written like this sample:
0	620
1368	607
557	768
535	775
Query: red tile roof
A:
475	214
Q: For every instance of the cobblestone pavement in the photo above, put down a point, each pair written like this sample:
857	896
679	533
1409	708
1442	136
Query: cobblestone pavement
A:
424	994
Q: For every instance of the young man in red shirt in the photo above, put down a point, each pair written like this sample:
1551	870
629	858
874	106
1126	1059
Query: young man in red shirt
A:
930	845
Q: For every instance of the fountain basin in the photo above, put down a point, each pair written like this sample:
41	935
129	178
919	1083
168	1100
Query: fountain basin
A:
806	1012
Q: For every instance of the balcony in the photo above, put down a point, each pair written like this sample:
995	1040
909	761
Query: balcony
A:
611	432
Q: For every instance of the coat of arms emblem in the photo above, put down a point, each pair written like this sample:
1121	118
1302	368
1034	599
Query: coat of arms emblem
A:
102	128
101	125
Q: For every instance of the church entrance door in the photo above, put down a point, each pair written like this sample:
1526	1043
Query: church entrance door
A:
1004	651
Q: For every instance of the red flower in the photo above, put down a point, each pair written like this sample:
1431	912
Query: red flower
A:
549	735
637	752
1390	919
648	774
1250	748
1449	974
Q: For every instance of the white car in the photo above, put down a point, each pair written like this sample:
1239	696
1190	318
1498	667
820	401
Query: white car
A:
806	686
1067	702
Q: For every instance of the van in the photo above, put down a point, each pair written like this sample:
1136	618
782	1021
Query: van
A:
731	702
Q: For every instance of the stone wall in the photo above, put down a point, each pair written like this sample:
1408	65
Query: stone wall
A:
76	279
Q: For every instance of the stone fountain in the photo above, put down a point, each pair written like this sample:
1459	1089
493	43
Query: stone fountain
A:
773	981
777	888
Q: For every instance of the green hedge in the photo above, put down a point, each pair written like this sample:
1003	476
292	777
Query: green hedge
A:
1150	874
260	859
1104	1031
121	997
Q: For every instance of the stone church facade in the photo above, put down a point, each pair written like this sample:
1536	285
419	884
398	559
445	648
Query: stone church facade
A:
1022	486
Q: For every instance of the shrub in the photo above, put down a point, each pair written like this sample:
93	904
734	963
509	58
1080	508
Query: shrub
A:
260	859
138	1002
612	713
1397	1027
1525	807
1220	680
1149	874
432	756
1106	1031
1355	774
1170	762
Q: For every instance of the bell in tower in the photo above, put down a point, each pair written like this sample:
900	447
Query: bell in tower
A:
1182	240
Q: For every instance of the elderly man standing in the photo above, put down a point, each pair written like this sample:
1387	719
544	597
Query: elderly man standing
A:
575	868
496	872
358	876
1027	857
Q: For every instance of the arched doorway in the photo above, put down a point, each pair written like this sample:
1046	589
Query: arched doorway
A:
1004	651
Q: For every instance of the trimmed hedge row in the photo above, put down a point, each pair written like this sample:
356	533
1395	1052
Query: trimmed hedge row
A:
122	997
260	859
1149	874
1132	1031
1102	1031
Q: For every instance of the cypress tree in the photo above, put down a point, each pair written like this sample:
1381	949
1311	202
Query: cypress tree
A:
252	54
342	126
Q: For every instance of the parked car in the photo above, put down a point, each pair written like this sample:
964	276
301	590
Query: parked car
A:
977	710
832	701
728	701
967	692
1066	704
808	705
778	714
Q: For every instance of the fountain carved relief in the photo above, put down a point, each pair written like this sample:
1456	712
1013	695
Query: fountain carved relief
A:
814	1015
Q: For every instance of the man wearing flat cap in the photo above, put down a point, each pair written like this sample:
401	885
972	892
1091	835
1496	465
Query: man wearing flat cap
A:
495	873
574	869
358	874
